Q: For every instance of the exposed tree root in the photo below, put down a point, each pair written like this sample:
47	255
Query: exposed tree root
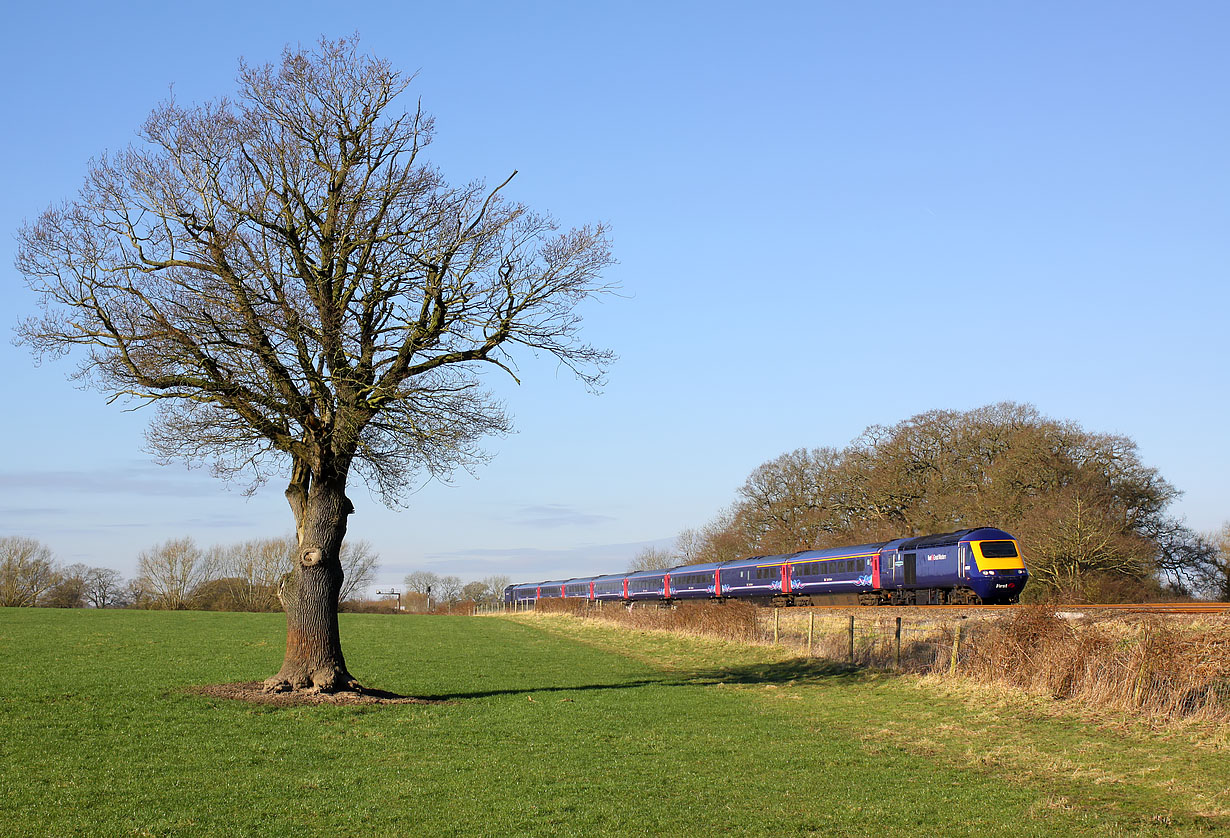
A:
256	692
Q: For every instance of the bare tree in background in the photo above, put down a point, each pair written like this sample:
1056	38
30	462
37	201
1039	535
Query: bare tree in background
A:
27	571
421	582
299	293
135	594
360	562
652	558
448	589
475	591
169	572
1213	581
490	589
102	587
688	546
495	587
69	589
252	570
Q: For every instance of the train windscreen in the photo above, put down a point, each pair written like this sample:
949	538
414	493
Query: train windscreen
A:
999	549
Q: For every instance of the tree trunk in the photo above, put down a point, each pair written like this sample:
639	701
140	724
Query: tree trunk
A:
309	594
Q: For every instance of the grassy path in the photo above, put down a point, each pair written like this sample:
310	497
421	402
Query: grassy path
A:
553	727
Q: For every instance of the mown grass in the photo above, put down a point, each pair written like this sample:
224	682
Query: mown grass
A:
552	727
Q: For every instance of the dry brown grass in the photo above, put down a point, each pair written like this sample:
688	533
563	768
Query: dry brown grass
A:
1163	668
730	620
1159	667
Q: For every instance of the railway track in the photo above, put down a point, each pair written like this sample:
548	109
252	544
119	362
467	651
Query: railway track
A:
1128	608
1155	607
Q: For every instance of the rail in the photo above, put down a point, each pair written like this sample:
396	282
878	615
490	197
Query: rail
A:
1065	608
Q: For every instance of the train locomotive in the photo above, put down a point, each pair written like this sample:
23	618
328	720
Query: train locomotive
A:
966	567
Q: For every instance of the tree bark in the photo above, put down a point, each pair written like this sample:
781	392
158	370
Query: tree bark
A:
314	660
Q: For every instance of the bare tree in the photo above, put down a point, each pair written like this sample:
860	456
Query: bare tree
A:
360	562
1213	581
448	589
171	571
688	546
102	587
69	589
135	594
252	570
421	582
490	589
1075	543
27	571
495	587
652	558
297	292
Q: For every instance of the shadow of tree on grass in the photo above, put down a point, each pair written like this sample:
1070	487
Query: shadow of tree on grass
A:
794	671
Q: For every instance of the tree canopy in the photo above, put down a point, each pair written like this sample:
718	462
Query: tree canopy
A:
283	272
1087	510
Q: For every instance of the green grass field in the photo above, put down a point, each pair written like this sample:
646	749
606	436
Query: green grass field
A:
552	726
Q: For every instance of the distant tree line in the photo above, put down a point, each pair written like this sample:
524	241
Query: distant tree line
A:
176	574
427	591
1093	520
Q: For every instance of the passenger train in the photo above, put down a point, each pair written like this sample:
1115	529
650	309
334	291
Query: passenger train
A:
969	567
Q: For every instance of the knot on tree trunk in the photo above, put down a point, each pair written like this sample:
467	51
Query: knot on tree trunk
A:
310	557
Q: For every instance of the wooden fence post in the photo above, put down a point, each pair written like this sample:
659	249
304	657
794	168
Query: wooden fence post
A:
776	624
898	641
811	629
956	649
851	639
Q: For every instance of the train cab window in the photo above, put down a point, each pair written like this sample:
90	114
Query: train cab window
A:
999	549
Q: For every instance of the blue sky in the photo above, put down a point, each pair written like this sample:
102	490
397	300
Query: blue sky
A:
826	215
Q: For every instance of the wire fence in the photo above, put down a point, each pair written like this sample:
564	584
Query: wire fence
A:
1172	667
875	639
915	643
481	608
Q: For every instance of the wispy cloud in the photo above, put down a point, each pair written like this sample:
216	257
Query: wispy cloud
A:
524	563
22	513
553	515
134	478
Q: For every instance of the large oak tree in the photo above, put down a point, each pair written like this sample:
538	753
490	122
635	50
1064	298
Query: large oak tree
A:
296	291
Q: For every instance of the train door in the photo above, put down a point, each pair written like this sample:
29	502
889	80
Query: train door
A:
911	568
785	578
890	570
